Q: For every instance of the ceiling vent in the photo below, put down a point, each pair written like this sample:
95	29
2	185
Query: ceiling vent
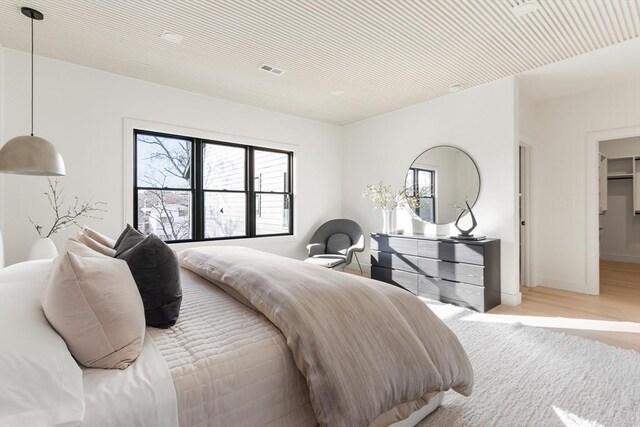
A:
271	69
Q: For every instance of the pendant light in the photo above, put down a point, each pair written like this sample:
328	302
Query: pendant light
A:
29	154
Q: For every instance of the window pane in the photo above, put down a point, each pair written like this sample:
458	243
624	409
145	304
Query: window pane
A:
424	180
223	167
166	214
271	171
426	209
408	183
163	162
272	213
224	214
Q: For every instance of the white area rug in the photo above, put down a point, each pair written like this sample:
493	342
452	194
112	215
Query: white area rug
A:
526	376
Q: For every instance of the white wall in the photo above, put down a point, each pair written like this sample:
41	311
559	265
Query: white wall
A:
2	257
481	121
623	147
82	111
559	186
620	239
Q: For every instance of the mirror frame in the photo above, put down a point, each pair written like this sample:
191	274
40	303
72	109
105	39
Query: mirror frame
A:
413	214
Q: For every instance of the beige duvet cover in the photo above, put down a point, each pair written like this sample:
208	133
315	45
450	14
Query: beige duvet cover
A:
230	365
371	353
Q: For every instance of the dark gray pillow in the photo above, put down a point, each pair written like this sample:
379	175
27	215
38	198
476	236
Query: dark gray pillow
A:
122	236
156	271
130	238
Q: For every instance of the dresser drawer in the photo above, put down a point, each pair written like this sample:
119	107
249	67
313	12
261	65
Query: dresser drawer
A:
394	244
473	305
409	281
448	251
458	272
431	287
395	261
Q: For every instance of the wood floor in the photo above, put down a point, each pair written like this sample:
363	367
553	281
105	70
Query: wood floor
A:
612	317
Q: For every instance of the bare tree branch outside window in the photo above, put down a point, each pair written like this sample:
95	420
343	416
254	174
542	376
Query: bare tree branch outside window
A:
164	165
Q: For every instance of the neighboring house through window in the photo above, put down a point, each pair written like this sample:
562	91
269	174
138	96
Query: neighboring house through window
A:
190	189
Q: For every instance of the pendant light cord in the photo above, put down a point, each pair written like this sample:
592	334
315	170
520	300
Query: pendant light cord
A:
32	76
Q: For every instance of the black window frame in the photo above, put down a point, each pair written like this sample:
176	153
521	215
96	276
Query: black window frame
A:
416	188
198	192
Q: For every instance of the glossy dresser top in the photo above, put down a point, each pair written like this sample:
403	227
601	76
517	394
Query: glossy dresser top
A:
436	238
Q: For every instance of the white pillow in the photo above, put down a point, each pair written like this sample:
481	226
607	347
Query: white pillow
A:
40	382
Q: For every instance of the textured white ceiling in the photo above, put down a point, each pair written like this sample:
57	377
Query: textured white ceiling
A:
384	54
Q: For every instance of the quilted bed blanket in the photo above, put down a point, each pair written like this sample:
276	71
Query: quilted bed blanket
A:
369	351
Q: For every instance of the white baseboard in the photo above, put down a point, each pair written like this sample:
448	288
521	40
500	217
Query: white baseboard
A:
511	299
621	258
563	285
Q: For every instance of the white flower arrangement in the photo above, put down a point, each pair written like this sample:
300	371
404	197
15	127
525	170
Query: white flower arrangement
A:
382	196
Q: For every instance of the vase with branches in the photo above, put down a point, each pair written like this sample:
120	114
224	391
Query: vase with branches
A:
386	200
63	217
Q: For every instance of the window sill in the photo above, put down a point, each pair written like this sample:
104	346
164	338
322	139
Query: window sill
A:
231	241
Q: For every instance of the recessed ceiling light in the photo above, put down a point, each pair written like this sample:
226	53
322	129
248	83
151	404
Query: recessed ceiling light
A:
271	69
172	37
525	7
336	92
457	87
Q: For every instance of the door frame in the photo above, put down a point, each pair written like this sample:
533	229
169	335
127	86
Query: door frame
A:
526	250
592	157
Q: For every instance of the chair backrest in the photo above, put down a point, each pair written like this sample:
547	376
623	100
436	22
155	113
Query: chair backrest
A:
338	235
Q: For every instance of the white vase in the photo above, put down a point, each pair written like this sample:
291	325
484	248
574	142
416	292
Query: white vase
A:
43	248
417	225
388	221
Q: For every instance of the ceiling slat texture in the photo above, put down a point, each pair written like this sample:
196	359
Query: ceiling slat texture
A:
383	54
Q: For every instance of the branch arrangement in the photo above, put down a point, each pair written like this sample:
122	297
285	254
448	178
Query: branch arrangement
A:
416	199
64	218
382	196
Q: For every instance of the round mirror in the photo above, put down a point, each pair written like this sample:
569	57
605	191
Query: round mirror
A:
439	182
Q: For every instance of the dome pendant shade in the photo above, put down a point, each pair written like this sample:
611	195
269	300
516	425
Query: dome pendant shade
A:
28	154
31	155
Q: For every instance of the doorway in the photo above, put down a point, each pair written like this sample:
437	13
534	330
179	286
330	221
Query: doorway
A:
593	199
524	198
619	201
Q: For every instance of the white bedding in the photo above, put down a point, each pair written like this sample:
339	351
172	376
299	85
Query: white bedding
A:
219	345
139	396
40	382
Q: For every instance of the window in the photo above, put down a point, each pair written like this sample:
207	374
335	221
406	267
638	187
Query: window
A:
189	189
421	183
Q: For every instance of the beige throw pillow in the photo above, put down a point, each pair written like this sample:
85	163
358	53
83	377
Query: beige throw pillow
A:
76	247
96	246
99	237
95	306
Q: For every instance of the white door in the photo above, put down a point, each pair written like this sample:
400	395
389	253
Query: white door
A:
523	210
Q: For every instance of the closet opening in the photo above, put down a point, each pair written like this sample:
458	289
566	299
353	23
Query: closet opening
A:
618	209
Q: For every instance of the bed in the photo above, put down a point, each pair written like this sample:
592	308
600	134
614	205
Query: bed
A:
224	363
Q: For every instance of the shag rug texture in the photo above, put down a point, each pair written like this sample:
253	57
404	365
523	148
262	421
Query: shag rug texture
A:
528	376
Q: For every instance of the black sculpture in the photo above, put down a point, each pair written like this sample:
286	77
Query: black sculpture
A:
466	234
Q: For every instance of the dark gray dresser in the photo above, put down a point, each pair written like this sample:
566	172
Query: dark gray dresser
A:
465	273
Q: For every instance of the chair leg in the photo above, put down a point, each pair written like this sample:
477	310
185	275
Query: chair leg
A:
359	266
